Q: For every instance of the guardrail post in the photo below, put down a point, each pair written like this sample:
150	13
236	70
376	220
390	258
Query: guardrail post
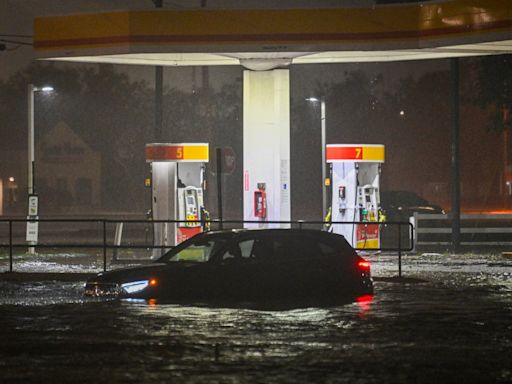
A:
10	246
400	250
412	235
117	239
104	245
218	152
412	230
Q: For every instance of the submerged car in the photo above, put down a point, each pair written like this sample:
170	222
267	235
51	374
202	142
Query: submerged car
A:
261	266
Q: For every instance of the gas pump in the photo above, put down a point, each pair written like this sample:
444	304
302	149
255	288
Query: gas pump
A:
190	204
368	202
177	172
355	184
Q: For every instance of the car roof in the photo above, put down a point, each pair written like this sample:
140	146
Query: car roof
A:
269	231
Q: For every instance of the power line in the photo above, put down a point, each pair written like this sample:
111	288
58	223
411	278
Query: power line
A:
17	36
15	42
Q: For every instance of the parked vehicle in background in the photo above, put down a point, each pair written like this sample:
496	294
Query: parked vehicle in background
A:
400	205
290	267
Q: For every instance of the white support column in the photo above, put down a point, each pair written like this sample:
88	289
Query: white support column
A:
266	139
164	203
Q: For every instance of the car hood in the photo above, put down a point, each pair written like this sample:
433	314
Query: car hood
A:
130	274
413	208
426	208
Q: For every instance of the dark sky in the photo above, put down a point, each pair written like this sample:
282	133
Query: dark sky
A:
17	16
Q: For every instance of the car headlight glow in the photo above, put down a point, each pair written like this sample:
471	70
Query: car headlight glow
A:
135	286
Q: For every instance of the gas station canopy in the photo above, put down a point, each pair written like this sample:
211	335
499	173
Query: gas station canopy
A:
265	39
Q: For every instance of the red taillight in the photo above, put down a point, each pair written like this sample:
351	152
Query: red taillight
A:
363	264
364	299
153	282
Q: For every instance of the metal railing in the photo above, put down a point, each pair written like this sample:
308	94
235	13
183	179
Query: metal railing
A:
104	242
475	230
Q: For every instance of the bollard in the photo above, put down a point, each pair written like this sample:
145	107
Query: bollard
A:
218	152
104	246
117	239
10	246
399	250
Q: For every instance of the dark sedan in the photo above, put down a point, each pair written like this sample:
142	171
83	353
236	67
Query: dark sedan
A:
287	266
400	205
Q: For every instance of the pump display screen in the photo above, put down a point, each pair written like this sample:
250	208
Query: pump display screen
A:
190	200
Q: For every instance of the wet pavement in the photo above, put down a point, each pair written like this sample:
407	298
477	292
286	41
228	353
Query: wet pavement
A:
454	327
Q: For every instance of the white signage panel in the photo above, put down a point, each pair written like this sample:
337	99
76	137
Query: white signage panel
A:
32	231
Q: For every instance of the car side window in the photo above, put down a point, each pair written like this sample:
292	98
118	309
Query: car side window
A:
262	249
305	247
282	248
238	251
327	249
294	246
232	253
246	248
196	252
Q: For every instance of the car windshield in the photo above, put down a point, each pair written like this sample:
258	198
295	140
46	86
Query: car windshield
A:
198	251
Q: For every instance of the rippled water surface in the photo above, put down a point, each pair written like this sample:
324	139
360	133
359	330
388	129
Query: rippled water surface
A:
454	328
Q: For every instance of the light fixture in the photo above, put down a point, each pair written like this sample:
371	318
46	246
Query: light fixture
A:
46	88
135	286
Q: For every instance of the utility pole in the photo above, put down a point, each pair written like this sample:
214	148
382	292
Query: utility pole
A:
455	156
158	92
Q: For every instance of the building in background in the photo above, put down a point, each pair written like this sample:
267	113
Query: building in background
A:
11	182
68	172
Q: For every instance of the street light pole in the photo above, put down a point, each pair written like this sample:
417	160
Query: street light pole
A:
33	208
159	76
31	90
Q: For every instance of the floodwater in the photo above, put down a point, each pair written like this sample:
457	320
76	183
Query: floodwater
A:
456	327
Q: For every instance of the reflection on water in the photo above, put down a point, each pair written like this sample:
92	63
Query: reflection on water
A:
455	328
364	303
